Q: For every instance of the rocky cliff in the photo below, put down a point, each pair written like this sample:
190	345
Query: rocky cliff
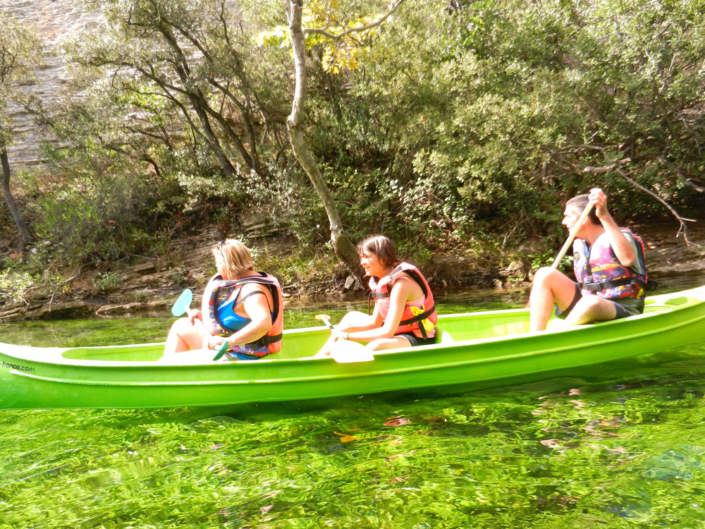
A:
53	21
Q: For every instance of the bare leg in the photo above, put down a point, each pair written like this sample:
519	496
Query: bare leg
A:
351	319
591	308
388	343
550	286
183	336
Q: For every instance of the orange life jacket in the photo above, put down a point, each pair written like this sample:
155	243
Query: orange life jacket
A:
421	321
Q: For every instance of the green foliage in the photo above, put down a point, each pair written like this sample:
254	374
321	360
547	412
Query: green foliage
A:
541	259
459	127
20	51
87	219
14	285
105	281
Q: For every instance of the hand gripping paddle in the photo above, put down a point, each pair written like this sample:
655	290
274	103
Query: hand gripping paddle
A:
223	349
346	351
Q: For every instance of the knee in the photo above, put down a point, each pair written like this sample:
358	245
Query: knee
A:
354	318
544	275
374	345
180	325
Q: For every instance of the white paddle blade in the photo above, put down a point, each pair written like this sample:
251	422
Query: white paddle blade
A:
347	352
325	319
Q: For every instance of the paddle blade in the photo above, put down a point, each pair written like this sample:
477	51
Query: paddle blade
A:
223	349
183	303
347	352
325	319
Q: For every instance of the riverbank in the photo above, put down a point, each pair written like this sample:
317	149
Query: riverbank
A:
148	285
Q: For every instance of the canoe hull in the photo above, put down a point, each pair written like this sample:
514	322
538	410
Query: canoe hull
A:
73	378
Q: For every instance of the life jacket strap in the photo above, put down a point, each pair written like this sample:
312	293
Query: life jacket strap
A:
379	295
267	340
597	287
425	314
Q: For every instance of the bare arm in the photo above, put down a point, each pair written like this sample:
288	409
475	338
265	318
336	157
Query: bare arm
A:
374	321
623	249
258	311
403	290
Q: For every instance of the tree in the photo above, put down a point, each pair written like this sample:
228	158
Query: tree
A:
343	247
188	57
19	52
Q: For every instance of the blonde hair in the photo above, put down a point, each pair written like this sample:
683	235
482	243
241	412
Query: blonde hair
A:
236	256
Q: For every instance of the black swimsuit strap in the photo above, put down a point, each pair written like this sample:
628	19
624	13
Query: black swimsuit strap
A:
237	303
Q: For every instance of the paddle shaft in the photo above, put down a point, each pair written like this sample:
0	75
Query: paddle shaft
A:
325	319
571	236
221	351
568	242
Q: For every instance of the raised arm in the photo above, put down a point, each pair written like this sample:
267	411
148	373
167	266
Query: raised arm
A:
623	249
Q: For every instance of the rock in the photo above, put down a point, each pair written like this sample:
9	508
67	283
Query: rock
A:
47	310
159	305
350	283
515	269
146	268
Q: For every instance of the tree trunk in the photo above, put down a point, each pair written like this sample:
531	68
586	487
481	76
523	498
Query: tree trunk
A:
10	201
343	247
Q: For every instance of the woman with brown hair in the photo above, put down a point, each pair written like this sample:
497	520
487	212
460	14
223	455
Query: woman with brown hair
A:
249	318
404	313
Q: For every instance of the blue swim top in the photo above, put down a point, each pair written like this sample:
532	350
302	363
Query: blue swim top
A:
229	319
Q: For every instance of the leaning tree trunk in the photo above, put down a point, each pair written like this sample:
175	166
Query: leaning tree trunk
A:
343	247
10	201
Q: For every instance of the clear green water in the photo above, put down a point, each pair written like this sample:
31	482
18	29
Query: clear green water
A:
621	445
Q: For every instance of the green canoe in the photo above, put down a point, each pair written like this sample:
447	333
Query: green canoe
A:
479	349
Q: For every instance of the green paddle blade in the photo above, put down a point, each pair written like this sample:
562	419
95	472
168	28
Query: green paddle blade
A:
183	303
223	349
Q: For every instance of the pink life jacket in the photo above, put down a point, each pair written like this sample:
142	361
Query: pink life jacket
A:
419	320
270	342
598	270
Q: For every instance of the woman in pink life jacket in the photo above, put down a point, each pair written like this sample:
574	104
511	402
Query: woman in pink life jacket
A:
404	313
240	306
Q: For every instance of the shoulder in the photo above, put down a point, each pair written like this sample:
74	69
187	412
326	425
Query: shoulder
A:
248	288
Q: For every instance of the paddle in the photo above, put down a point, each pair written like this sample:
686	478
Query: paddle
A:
346	351
568	241
183	303
571	236
325	319
221	351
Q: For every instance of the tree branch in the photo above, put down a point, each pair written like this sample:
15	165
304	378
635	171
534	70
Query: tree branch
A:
687	181
359	29
683	228
606	168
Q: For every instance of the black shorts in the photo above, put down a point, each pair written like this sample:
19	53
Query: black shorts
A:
625	307
415	340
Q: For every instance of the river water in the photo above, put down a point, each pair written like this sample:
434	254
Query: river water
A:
620	445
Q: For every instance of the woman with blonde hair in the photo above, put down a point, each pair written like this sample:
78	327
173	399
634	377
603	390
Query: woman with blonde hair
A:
240	306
